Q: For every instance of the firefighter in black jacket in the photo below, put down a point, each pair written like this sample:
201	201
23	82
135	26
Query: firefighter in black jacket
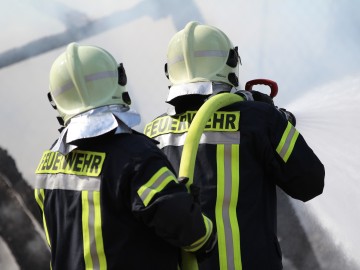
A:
109	197
246	149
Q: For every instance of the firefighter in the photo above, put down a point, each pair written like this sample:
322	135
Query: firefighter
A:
247	149
109	197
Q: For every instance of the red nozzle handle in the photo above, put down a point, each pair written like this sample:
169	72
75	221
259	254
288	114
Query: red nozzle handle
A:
273	85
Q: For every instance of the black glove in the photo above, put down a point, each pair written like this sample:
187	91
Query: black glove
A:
209	246
195	192
252	95
289	116
194	189
258	96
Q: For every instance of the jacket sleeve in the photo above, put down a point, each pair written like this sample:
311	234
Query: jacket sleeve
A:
165	206
298	171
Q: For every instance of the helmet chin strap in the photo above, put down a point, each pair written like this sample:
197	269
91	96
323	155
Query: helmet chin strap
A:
52	103
233	79
59	118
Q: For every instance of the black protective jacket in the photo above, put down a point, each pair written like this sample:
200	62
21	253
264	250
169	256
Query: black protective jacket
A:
246	150
114	203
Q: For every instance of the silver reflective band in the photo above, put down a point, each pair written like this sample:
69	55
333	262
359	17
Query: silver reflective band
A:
228	185
67	182
227	182
211	53
146	192
206	138
92	77
287	143
207	53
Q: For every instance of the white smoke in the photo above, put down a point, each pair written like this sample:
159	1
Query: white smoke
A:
328	118
308	47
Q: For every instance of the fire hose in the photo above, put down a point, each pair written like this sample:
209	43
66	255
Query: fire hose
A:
188	157
191	144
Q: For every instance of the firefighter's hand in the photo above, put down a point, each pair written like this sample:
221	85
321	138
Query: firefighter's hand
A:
289	116
252	95
195	192
258	96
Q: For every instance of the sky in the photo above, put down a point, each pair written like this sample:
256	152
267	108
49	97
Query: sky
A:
310	48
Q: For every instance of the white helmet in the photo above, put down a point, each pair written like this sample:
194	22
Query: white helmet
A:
86	77
202	53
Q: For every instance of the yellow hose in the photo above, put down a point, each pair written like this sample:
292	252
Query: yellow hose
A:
191	145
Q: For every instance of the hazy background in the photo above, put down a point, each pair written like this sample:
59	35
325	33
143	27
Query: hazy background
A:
311	48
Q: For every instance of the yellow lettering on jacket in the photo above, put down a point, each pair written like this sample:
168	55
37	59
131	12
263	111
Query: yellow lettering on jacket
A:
220	121
76	162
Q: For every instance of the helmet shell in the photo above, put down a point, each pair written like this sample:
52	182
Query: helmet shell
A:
201	53
83	78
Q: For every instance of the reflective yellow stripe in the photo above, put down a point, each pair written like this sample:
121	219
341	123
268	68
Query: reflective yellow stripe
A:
156	183
200	242
40	198
219	208
225	210
287	142
235	189
98	232
85	230
94	254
